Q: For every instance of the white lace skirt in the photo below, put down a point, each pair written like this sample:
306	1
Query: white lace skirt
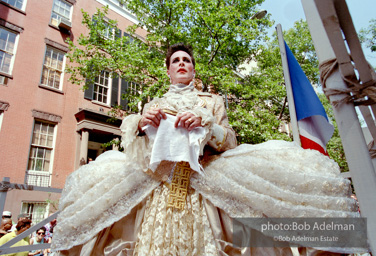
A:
112	207
170	231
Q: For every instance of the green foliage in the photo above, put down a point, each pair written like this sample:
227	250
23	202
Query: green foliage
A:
259	107
265	92
53	203
115	142
368	35
221	32
224	38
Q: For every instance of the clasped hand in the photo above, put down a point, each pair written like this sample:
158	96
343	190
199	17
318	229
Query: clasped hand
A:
153	117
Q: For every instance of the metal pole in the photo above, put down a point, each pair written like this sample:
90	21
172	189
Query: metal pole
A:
357	155
290	96
3	193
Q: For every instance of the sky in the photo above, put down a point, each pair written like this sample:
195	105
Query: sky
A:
286	12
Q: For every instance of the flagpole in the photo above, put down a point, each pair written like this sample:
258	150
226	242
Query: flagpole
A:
358	158
290	96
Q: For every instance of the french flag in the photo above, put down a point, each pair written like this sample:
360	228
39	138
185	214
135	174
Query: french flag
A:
314	128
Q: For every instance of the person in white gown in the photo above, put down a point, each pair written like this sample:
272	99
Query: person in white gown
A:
182	179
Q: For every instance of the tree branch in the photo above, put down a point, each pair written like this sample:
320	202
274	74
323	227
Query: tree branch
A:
215	52
283	109
210	31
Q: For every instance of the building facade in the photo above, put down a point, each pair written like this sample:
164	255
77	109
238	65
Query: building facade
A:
48	126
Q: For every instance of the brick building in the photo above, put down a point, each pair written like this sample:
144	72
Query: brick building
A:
48	126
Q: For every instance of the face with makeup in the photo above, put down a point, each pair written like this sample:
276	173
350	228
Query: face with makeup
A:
181	68
180	65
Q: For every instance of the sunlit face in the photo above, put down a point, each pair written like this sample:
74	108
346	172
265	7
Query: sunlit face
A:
40	234
181	68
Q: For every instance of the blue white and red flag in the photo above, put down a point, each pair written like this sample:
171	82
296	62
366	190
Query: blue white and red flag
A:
315	130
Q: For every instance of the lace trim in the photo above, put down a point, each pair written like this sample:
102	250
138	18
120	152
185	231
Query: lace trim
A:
136	148
96	196
276	183
271	179
169	231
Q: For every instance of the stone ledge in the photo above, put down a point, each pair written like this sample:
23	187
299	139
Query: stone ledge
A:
11	26
46	116
56	45
4	106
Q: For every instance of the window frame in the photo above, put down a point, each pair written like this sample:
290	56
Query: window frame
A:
61	82
1	118
113	29
59	15
25	206
23	7
9	74
52	148
110	29
3	107
109	90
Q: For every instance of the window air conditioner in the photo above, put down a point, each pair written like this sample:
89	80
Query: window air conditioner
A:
65	24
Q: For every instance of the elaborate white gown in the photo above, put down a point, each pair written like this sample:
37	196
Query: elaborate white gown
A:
117	206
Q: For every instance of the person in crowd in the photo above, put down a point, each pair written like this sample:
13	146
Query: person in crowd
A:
7	215
182	179
6	225
50	229
20	217
22	225
40	238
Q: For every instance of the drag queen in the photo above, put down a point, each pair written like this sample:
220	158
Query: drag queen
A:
182	179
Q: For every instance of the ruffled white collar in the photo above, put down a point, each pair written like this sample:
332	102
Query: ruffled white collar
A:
181	88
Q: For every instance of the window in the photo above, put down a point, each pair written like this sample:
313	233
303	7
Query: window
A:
106	30
20	4
1	118
8	42
128	38
109	31
3	80
53	68
40	158
101	87
108	88
36	210
3	107
134	88
60	10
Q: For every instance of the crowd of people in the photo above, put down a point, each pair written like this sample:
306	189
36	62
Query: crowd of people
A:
9	230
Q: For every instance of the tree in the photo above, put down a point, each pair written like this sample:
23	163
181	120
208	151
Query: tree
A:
221	32
224	38
260	101
264	93
368	35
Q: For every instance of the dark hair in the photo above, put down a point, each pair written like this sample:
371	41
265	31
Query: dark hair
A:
179	47
23	223
42	228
